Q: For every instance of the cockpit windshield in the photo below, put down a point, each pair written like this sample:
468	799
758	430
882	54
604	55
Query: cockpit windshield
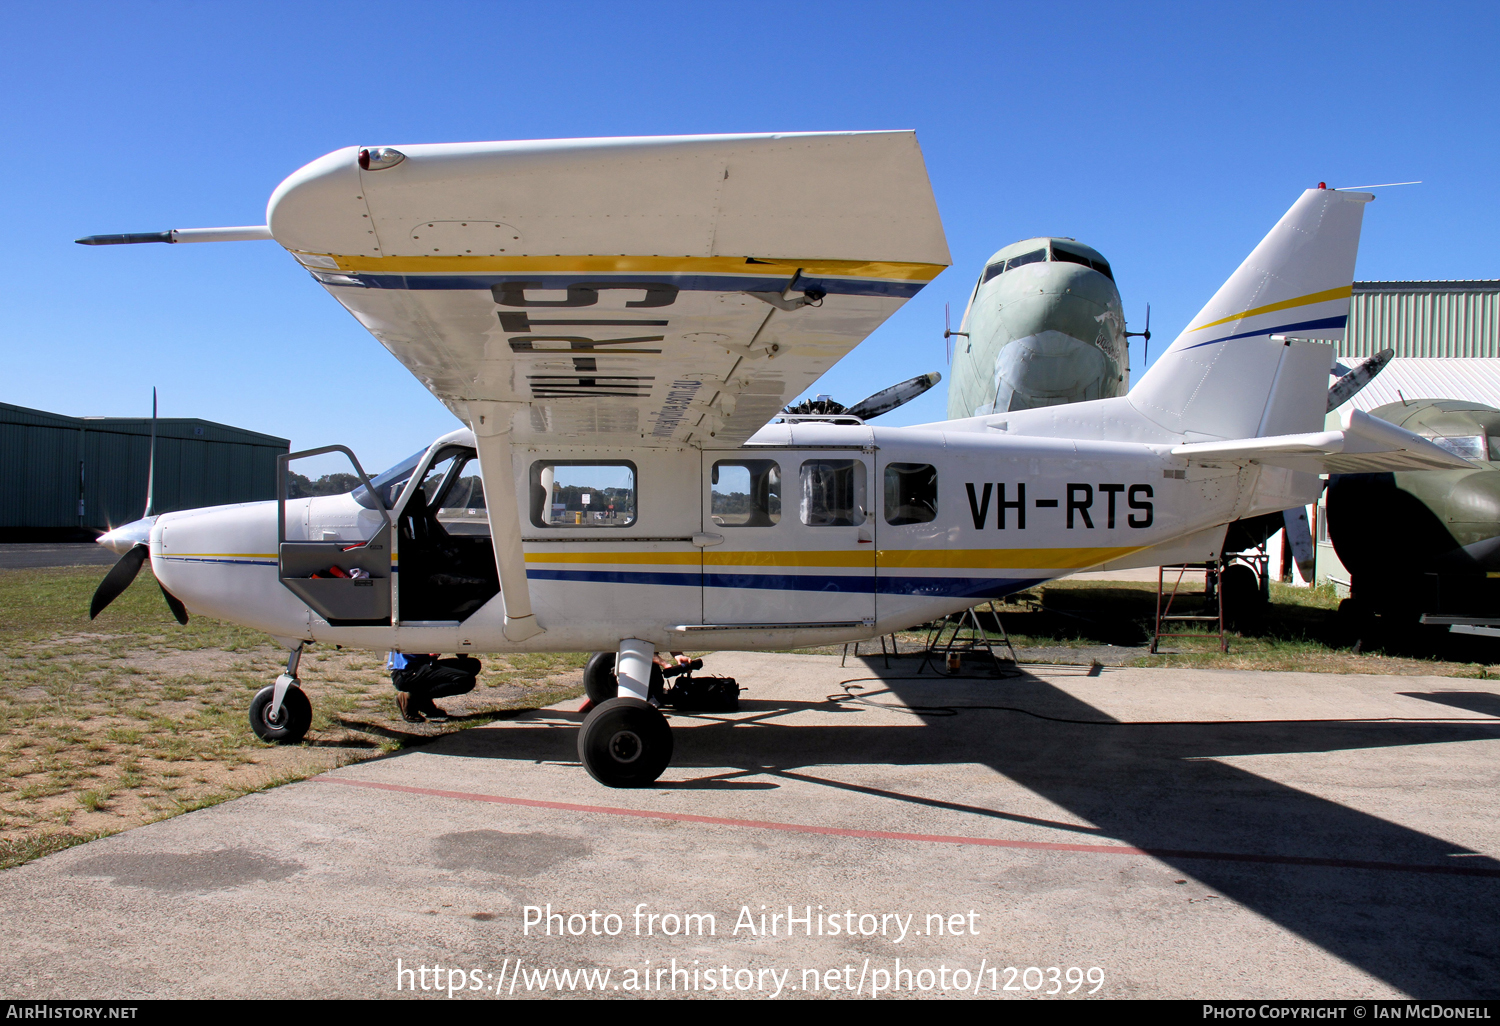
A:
999	267
1066	255
388	484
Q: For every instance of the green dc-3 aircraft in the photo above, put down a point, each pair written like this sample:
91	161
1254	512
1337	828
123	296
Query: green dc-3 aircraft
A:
1418	544
1044	326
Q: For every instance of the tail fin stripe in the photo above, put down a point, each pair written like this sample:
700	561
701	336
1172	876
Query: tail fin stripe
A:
1342	292
1325	322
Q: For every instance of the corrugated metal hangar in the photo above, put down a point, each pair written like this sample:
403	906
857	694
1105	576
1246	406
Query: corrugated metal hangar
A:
90	473
1446	335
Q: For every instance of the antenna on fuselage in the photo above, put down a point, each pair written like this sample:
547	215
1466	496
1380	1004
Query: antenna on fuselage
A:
1146	349
948	332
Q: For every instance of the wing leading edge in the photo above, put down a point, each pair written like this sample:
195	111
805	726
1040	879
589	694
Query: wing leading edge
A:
633	291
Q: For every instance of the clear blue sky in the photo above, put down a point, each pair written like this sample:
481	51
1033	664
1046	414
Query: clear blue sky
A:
1170	137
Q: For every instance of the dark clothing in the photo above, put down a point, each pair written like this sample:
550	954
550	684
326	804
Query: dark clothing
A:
428	677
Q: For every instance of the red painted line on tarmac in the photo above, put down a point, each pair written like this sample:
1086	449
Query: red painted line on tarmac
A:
889	835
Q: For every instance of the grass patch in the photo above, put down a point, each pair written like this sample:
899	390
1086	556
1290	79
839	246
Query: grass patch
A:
124	720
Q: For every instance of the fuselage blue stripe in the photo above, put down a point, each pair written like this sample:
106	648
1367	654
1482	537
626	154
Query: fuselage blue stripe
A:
937	587
1325	322
690	580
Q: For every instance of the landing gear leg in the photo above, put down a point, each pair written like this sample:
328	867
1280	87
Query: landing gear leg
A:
281	712
626	741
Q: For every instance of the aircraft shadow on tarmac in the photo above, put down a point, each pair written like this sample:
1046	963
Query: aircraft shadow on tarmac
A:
1158	786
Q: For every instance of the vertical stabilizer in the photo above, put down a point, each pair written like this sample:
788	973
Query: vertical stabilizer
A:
1225	376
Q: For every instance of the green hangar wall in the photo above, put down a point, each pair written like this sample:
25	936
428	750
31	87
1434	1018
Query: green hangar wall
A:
90	472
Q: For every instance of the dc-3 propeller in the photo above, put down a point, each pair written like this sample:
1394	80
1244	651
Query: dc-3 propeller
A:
884	401
136	536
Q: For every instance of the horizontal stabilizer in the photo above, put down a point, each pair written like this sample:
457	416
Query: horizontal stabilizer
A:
1366	444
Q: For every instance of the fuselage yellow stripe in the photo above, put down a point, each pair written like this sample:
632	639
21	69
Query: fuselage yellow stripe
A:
1342	292
877	269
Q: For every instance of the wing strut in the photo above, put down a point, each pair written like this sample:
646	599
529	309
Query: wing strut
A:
491	422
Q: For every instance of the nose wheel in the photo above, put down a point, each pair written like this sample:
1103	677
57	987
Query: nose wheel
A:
625	742
281	712
286	725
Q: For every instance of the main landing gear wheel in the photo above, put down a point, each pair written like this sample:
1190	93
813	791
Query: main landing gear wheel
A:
625	742
601	684
289	724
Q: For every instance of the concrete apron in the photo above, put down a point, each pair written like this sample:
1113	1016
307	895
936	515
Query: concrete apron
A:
1186	833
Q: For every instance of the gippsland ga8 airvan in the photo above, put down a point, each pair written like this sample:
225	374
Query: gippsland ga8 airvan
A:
620	356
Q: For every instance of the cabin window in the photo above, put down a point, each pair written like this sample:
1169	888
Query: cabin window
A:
745	493
1470	447
461	508
1036	256
579	493
833	493
910	493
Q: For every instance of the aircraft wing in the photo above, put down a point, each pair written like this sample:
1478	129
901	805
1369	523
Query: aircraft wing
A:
637	290
1365	445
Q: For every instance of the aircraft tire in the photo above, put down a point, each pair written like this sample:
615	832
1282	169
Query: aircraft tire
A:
1240	587
599	678
291	725
601	684
625	742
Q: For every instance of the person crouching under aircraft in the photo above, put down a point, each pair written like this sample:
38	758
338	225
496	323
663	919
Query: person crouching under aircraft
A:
418	679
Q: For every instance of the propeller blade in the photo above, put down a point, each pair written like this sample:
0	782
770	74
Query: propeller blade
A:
118	579
179	611
887	399
151	463
947	334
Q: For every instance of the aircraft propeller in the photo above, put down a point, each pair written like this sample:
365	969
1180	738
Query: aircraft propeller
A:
135	534
1146	350
884	401
948	333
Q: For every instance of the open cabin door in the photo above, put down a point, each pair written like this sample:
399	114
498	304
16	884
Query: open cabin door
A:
798	538
444	549
351	600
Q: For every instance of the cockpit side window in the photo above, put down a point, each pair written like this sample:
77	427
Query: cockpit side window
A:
992	271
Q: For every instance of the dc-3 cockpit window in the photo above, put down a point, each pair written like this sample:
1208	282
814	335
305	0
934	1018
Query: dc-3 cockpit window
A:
1064	254
576	493
1036	256
910	493
1470	447
833	493
746	493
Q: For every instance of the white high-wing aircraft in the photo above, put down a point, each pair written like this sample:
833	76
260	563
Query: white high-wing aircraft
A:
617	320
